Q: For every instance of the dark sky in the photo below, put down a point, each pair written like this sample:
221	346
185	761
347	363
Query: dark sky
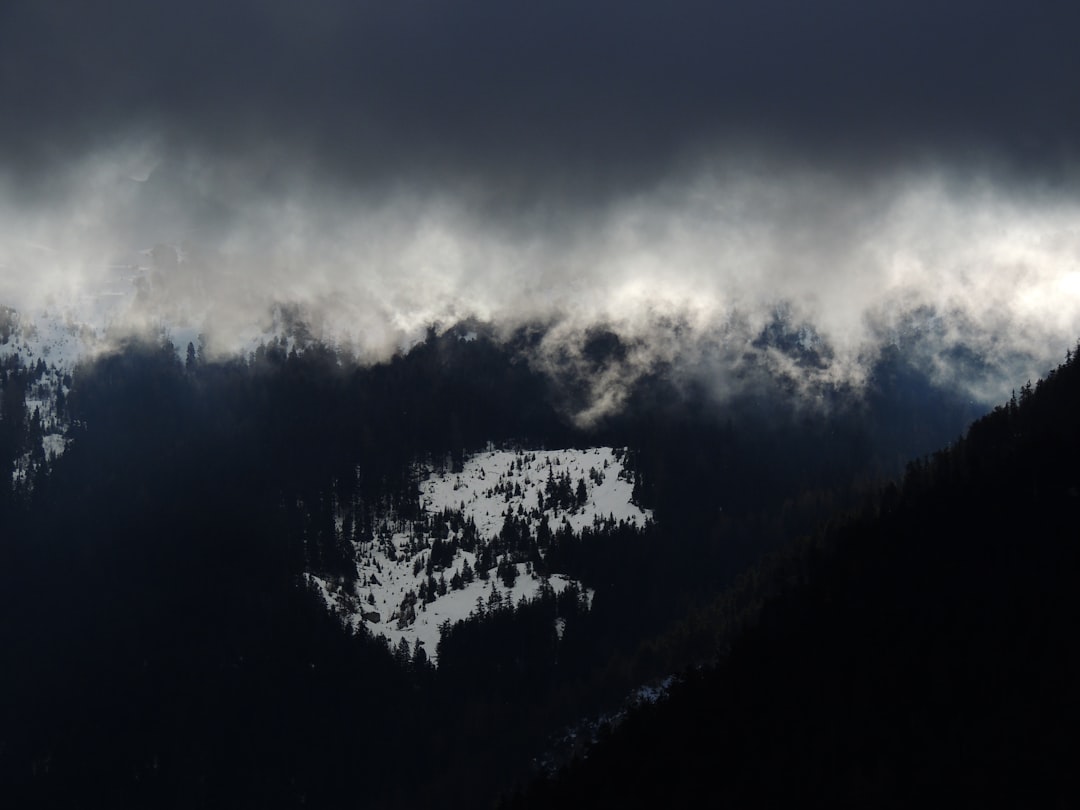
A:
590	95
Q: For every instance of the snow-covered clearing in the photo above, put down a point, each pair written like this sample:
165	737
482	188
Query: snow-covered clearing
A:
400	594
491	484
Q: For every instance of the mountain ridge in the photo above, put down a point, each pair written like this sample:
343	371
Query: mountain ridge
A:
921	647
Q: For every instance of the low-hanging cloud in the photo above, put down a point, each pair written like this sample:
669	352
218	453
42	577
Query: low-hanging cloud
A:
689	273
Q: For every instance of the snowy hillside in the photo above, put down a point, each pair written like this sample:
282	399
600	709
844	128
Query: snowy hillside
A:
482	540
48	346
57	340
493	484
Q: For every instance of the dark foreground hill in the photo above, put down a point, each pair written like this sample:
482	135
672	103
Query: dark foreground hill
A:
926	651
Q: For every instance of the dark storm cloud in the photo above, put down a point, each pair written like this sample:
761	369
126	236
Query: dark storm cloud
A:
539	91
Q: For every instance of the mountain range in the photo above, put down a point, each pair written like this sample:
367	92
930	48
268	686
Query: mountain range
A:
290	577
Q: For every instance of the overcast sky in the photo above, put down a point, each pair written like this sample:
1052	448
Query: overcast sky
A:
631	163
596	95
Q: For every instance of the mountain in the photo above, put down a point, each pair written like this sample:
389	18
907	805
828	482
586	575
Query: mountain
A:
924	647
185	585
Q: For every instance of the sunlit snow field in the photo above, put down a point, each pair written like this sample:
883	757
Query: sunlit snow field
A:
490	486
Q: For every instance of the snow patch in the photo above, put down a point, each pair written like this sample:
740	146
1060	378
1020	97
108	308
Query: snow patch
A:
455	562
500	482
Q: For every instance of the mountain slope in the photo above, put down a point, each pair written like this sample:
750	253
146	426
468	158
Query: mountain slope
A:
164	647
925	650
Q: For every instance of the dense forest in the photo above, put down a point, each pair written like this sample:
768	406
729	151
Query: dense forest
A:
162	646
923	647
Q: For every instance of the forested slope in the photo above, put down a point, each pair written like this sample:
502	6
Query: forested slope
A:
925	650
161	648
